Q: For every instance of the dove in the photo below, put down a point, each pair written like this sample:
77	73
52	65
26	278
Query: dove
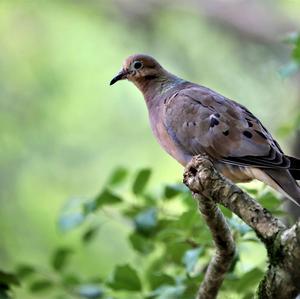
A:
188	119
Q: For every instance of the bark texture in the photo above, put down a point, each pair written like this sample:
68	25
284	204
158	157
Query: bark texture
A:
225	247
282	279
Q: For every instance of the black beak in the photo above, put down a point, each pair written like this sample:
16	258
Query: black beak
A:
120	76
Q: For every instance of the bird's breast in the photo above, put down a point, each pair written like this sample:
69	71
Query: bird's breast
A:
165	139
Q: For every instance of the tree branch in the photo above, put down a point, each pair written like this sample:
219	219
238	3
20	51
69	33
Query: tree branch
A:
225	247
282	280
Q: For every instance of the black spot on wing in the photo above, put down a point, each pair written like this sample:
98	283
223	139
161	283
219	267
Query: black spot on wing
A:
247	134
226	133
213	122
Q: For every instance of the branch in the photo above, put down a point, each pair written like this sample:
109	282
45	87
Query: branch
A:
225	248
282	280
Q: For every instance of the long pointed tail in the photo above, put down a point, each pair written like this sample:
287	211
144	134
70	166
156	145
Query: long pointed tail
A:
295	174
285	183
295	167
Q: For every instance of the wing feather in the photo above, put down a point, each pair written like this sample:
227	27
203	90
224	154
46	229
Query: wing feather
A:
203	121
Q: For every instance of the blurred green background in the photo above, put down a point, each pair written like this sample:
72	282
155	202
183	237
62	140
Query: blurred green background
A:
64	129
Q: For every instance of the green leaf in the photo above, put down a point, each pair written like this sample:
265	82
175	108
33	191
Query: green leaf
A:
189	219
292	38
118	176
169	235
171	191
141	181
146	221
70	280
168	292
156	274
157	279
236	259
89	291
70	221
192	285
60	258
149	199
107	197
269	201
4	291
8	278
174	252
90	234
89	207
249	295
296	51
191	258
41	285
252	191
226	212
140	243
249	280
290	69
71	215
189	201
239	225
24	271
125	278
287	128
294	65
132	210
249	237
297	122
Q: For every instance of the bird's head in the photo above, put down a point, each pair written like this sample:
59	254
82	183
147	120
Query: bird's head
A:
139	68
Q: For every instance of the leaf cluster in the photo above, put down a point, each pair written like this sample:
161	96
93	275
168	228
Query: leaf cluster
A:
170	241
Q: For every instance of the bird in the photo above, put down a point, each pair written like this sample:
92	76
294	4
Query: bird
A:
189	119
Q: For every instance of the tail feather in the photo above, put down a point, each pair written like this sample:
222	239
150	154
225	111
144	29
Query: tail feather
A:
294	167
295	163
286	183
295	173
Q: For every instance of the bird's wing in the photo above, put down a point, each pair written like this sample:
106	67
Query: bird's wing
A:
202	121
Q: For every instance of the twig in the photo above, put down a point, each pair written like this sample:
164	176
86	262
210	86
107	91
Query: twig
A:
225	248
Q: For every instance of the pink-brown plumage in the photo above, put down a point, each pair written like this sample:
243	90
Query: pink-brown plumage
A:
188	119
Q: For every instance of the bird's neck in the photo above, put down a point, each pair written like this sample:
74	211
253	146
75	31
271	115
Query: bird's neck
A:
155	86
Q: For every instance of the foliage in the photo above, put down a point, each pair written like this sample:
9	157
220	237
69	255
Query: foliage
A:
293	66
290	69
170	241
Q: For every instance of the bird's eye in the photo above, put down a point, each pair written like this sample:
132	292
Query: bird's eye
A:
137	65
